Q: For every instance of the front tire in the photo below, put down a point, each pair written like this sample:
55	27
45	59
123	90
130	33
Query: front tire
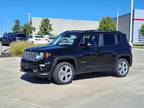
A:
121	68
63	73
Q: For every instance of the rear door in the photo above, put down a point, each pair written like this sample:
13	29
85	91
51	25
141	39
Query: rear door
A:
108	51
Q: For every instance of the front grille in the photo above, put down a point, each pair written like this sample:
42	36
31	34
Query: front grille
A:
29	55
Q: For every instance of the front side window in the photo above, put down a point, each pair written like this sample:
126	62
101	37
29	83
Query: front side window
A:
65	39
109	40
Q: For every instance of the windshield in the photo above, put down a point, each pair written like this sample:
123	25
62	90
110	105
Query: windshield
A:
65	39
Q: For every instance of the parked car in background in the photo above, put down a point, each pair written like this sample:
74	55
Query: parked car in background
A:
79	52
38	39
0	38
50	38
12	37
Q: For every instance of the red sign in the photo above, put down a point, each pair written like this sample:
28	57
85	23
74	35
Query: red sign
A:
139	19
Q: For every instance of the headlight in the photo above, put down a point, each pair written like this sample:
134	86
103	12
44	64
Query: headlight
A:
39	56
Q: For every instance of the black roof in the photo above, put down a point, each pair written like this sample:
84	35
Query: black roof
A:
98	31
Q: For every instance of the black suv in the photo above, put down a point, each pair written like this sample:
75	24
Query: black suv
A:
8	38
77	52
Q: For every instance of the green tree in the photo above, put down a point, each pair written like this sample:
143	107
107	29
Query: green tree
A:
142	30
107	23
28	29
45	27
17	26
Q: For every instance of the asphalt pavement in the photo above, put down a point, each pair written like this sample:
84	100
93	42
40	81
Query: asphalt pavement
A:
96	90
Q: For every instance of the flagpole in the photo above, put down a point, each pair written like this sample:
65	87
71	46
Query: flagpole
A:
131	22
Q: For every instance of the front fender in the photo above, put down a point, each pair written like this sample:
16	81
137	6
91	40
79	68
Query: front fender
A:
57	59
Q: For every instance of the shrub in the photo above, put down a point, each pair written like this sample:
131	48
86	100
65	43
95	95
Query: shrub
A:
141	46
17	48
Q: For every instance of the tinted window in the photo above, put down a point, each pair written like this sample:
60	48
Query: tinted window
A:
109	40
20	35
92	39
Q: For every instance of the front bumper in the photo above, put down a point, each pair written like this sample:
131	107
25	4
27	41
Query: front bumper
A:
36	68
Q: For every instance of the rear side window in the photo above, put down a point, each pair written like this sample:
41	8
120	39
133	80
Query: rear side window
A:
109	39
92	38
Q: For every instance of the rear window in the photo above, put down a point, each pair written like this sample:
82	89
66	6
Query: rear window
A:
109	39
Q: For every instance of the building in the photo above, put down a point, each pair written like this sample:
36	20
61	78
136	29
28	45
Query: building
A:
61	25
138	21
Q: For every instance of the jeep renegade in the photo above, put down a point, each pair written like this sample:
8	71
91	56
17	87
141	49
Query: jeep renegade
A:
78	52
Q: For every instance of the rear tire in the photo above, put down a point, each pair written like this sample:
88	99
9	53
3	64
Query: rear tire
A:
63	73
121	68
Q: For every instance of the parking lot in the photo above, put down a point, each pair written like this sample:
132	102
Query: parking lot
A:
96	90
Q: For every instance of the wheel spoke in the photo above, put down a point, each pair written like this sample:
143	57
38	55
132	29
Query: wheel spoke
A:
65	73
123	68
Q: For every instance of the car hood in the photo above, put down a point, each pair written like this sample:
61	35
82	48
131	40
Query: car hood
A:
45	48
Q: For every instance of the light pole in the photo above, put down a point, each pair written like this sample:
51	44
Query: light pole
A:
117	23
1	36
131	22
29	17
1	29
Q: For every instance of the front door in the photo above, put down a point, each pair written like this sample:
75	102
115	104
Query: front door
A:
89	60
